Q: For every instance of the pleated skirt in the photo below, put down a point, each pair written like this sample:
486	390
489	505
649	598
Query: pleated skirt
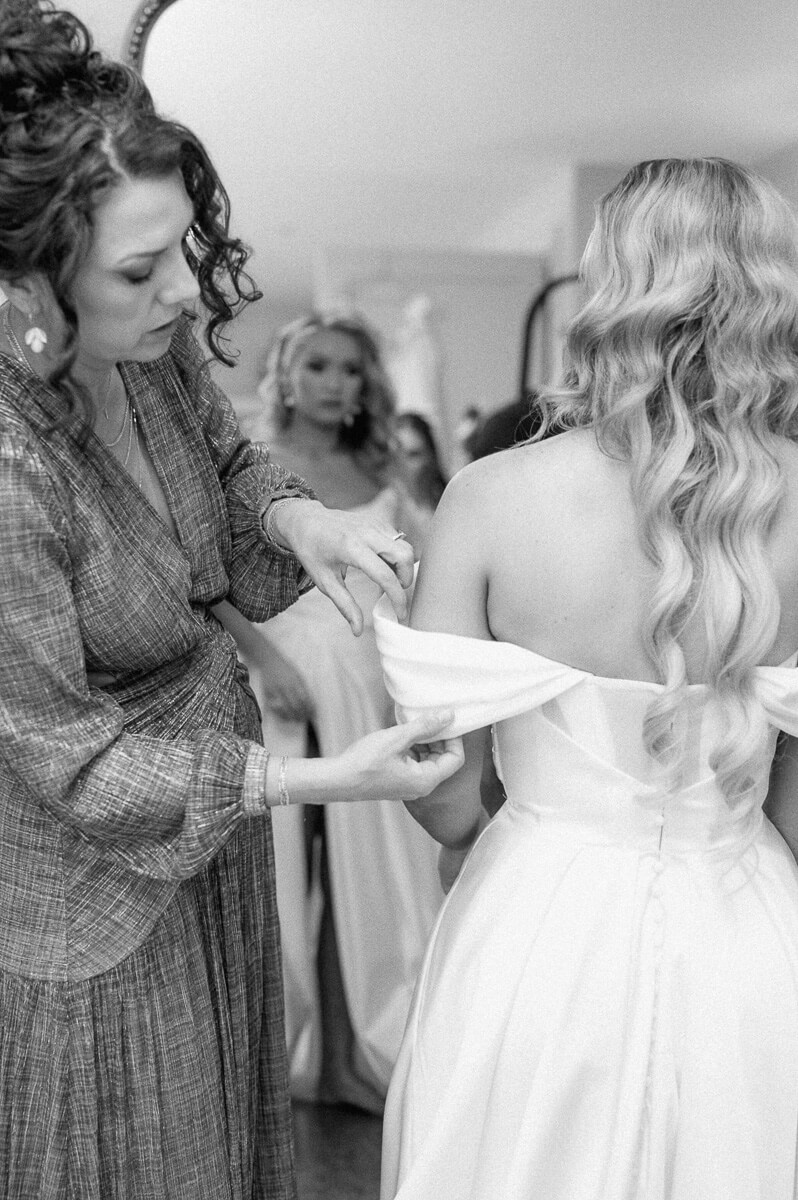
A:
164	1078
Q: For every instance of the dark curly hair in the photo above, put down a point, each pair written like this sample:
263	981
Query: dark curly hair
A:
72	125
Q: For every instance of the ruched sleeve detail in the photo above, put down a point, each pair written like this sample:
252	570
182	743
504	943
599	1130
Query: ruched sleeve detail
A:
484	682
777	689
480	681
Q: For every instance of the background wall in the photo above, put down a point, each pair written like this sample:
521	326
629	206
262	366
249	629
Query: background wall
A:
374	151
782	169
108	20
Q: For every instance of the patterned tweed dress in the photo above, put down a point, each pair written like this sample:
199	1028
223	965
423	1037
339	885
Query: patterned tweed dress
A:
142	1052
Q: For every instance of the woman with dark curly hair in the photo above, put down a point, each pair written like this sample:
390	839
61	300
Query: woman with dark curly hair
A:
328	415
142	1049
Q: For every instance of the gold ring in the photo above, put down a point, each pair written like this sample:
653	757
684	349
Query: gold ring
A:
398	535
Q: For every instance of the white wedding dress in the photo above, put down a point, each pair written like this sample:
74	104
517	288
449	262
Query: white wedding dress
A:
608	1006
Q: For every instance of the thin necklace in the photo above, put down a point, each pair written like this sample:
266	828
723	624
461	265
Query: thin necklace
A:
130	425
125	425
134	426
115	441
129	421
105	400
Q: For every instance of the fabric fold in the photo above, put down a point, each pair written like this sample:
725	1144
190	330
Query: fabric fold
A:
482	682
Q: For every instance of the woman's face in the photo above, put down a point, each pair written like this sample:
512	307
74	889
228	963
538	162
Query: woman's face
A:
135	282
326	378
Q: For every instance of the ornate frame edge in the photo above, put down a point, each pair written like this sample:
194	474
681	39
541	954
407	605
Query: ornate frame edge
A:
140	29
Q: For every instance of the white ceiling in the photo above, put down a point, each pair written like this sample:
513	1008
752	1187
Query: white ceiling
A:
454	123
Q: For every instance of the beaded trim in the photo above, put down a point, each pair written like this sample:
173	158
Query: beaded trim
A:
141	27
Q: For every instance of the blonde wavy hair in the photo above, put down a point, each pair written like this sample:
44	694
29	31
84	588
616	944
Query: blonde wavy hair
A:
684	360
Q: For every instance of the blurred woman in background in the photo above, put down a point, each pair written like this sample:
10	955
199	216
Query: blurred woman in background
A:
358	891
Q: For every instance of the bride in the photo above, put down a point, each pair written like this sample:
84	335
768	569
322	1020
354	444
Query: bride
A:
608	1007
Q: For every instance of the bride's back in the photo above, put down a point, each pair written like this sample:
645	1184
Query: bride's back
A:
657	540
658	526
567	574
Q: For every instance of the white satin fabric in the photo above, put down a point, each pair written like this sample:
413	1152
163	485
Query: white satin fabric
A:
383	866
608	1006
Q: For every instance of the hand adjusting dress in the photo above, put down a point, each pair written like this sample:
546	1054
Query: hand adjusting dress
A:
608	1007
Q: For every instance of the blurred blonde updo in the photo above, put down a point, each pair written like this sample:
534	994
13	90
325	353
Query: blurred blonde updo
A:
369	434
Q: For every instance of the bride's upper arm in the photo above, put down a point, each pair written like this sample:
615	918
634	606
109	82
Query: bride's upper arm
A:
451	589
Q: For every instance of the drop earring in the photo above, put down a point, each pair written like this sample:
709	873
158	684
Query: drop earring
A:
348	419
35	338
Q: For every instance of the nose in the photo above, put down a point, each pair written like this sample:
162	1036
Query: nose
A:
332	383
182	287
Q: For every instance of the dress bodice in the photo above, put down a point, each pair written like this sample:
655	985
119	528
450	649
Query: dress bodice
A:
569	744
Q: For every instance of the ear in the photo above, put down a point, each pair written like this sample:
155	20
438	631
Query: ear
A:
28	294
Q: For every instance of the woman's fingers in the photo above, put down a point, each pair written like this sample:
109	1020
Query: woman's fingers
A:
387	580
444	762
389	563
332	583
384	765
400	557
438	759
425	728
336	590
328	542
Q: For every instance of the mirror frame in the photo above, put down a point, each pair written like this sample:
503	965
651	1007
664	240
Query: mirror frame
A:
145	16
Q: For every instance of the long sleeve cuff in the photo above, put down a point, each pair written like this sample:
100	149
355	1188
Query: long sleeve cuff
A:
254	793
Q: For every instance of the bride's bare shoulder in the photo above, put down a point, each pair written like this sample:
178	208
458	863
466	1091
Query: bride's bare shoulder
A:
535	470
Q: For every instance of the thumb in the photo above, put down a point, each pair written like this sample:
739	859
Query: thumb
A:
428	726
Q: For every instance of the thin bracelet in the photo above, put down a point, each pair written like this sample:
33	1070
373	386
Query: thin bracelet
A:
281	784
268	527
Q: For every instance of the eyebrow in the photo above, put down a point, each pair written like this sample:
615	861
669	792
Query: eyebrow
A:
139	254
135	255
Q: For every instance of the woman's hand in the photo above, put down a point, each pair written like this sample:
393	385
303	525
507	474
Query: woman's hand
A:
283	689
328	541
387	765
401	763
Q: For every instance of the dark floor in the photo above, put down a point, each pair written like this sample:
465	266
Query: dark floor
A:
338	1152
